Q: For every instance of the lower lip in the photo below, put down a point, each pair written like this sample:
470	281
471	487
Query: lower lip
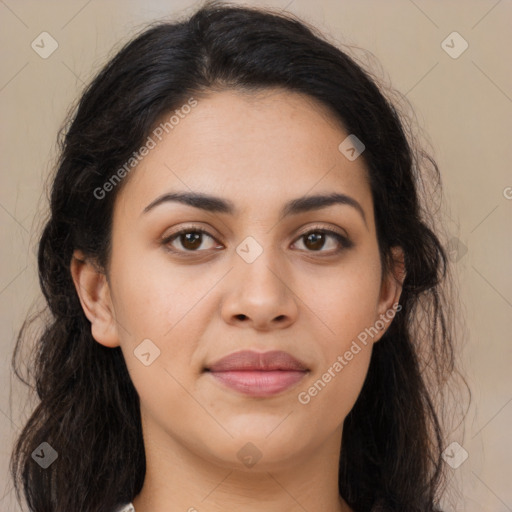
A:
259	383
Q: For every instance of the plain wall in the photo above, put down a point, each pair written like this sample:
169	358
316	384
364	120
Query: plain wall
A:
463	104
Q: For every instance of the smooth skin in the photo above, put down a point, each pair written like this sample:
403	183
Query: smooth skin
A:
204	301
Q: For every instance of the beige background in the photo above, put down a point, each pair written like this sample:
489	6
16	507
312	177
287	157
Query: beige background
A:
463	104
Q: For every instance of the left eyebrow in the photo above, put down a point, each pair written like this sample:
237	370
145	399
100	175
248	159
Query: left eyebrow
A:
293	207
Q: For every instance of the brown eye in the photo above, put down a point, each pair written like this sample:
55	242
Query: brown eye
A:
190	240
315	240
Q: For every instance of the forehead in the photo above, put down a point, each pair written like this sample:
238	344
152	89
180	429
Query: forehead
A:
261	147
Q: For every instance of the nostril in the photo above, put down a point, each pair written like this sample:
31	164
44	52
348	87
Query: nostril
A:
241	317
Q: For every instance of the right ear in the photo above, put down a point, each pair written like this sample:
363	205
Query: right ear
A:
94	293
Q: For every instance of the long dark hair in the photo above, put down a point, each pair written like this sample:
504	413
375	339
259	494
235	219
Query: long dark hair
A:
88	408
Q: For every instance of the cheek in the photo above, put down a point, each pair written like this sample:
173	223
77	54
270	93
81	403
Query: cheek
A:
333	391
159	304
155	305
345	300
153	297
346	303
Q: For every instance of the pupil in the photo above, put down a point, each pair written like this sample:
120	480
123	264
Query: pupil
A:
317	239
192	238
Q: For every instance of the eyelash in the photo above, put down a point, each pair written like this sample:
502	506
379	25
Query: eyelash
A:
344	242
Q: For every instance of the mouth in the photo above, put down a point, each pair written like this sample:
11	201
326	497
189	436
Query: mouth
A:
258	374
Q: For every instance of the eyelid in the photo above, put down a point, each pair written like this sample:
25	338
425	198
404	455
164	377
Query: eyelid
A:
323	227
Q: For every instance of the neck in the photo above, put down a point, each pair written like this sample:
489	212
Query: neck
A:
179	478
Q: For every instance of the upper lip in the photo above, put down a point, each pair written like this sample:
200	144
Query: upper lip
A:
262	361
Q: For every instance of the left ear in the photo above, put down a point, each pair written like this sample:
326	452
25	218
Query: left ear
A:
390	291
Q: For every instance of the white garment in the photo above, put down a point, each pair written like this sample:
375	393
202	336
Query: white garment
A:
126	508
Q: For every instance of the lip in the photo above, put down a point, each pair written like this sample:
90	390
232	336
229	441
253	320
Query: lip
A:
259	361
258	374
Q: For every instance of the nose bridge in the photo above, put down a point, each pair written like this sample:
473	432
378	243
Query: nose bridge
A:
258	262
258	291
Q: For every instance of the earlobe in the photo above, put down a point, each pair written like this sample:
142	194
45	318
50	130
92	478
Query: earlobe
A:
391	290
94	293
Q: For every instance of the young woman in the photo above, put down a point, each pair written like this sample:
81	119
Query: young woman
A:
245	288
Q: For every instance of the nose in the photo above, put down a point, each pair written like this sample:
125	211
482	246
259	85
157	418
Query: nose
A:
259	294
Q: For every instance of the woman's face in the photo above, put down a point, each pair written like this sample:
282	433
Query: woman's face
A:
251	282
